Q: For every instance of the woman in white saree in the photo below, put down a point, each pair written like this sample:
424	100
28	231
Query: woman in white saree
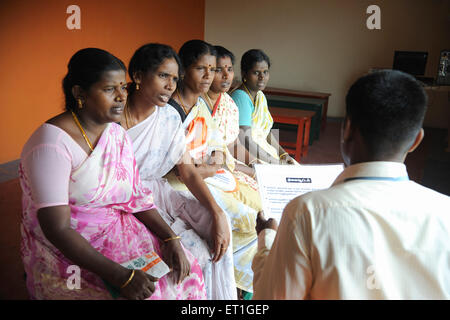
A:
159	145
206	145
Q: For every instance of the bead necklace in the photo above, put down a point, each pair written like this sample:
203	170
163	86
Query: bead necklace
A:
75	118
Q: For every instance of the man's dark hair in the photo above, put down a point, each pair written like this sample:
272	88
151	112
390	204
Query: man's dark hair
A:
388	108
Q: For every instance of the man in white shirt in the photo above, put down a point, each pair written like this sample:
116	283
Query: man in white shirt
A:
374	234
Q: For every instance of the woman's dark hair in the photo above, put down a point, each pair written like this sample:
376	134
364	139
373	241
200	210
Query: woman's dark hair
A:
192	50
251	57
86	68
223	52
148	58
388	108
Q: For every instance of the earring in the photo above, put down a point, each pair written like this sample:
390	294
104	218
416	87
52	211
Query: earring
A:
244	80
137	86
80	103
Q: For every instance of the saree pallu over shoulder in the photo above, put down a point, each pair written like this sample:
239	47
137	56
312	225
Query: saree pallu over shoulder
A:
109	177
104	192
202	135
226	118
262	123
241	205
159	143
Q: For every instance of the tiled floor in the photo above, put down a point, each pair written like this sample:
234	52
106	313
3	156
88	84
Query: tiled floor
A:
324	150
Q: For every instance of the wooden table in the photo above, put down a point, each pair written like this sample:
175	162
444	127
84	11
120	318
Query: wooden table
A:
300	118
303	94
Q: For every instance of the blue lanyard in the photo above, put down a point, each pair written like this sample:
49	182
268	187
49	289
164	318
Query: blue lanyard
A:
394	179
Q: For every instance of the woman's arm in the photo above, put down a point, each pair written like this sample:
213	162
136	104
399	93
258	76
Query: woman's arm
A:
207	168
55	224
246	139
245	169
172	249
284	156
194	182
241	154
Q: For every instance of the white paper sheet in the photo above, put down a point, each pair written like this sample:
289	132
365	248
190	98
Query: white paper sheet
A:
223	179
279	184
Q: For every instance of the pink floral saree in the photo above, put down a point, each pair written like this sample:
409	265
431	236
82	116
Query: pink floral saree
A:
104	192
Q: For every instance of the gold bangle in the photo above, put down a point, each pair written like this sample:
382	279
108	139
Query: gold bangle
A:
284	154
129	280
172	238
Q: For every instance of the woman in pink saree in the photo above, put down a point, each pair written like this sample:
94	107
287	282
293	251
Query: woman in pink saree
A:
84	207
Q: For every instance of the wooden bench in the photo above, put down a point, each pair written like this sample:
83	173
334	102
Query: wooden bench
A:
300	118
303	94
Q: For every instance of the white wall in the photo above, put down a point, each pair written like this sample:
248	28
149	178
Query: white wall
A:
324	45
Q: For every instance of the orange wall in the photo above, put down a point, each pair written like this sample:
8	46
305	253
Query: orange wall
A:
36	46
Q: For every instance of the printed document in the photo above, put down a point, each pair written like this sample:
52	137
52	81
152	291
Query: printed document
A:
279	184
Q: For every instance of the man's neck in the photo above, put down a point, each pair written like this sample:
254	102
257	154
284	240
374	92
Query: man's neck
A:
396	158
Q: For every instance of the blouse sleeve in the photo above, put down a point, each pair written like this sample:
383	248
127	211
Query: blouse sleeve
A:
245	107
47	168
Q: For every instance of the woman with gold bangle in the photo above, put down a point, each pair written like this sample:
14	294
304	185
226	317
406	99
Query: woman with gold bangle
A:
255	121
158	137
84	204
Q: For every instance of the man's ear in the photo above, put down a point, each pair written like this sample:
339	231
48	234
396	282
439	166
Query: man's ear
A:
347	129
417	141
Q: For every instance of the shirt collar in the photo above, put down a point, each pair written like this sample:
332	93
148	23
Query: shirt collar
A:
375	170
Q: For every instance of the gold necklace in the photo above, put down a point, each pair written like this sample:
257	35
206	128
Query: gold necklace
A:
248	92
181	102
82	131
210	102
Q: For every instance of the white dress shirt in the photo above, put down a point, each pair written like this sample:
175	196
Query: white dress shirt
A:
373	235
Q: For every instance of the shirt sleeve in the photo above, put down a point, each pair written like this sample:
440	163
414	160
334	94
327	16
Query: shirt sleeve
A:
47	168
245	107
283	270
